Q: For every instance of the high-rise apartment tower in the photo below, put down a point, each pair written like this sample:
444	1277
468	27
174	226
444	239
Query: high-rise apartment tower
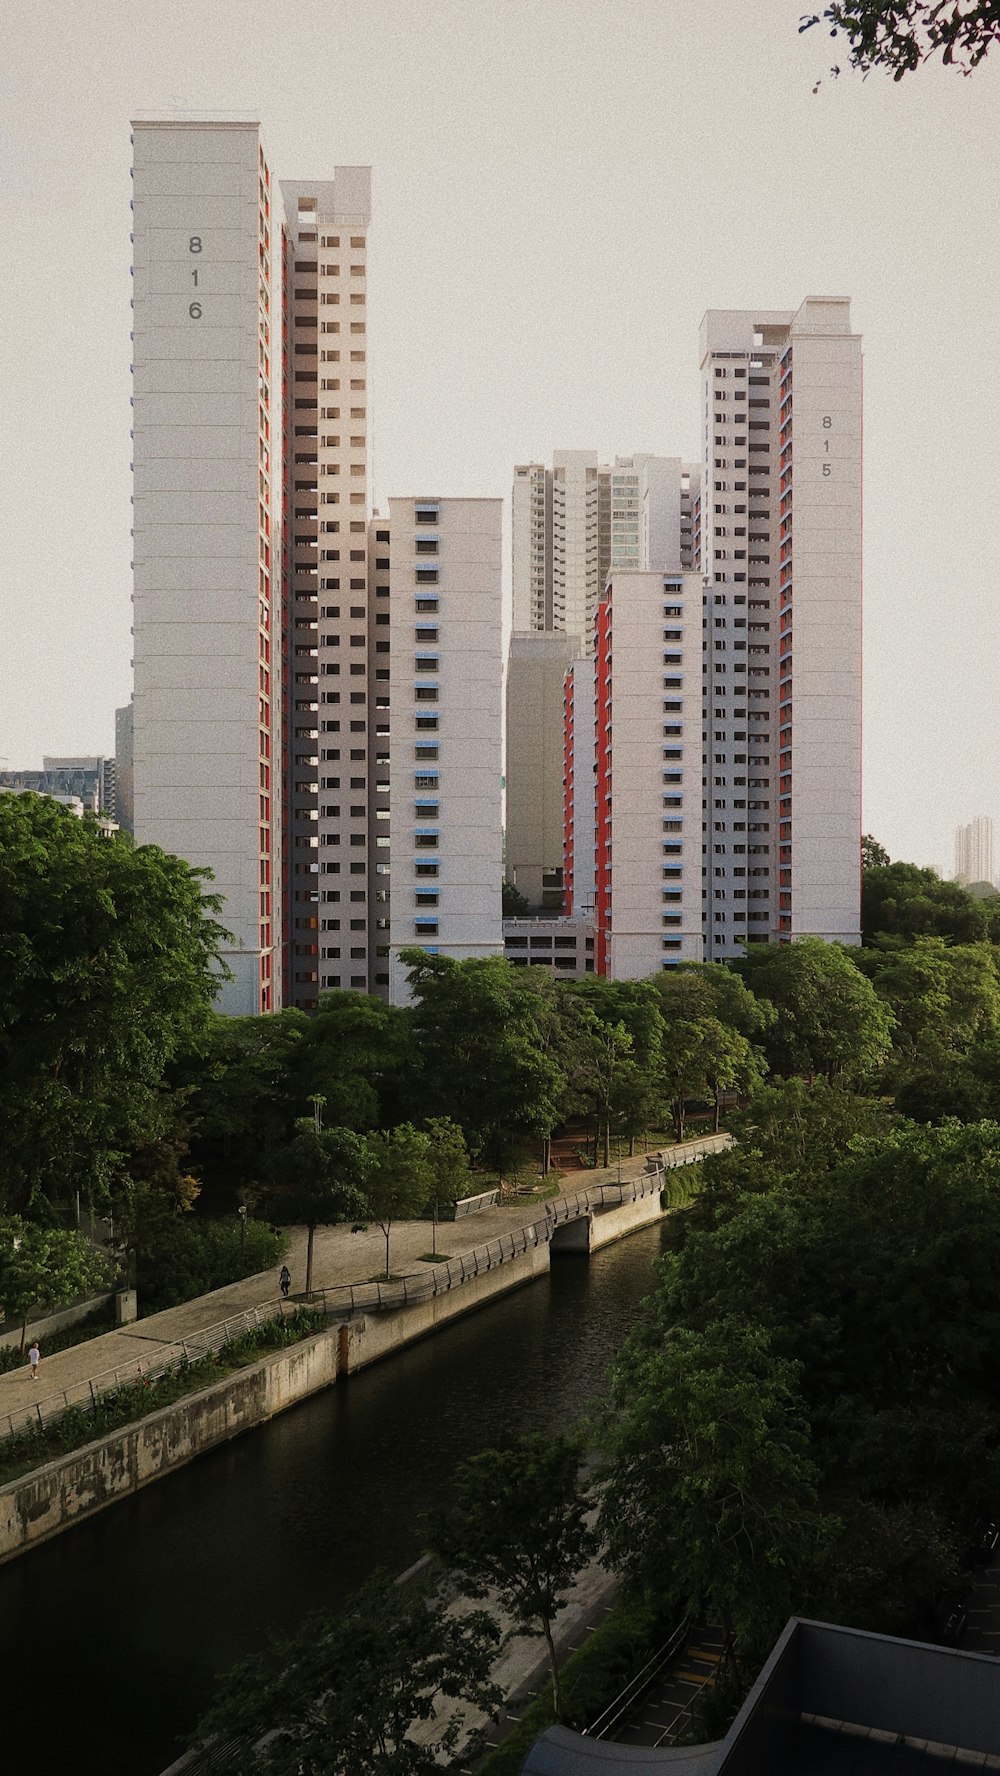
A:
206	363
974	852
329	838
781	556
574	523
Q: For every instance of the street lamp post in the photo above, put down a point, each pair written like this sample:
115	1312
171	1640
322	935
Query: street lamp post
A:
242	1213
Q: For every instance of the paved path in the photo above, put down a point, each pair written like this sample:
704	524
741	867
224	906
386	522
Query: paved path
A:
339	1256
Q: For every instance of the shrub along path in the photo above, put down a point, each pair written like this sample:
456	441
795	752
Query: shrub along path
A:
340	1256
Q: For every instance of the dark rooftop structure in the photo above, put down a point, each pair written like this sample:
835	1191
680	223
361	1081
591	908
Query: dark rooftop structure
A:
829	1702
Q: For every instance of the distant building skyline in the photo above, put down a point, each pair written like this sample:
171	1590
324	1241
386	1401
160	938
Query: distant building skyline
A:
975	852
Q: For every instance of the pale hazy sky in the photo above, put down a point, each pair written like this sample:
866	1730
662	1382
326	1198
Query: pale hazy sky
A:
561	188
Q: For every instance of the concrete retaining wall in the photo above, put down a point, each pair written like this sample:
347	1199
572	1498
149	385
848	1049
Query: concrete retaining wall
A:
603	1226
44	1326
77	1485
370	1336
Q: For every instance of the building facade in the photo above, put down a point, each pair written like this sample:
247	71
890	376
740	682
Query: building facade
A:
328	856
648	669
780	544
579	804
574	523
206	367
536	669
974	852
124	795
446	730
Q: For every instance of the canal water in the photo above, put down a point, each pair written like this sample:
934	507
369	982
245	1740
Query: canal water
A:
111	1636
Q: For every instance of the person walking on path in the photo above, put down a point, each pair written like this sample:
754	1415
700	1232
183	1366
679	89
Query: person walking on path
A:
285	1281
34	1357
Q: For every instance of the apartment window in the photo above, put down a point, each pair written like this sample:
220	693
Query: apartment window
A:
425	514
425	869
426	721
426	693
427	545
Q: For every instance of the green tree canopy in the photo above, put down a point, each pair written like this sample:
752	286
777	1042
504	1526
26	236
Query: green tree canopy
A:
382	1689
399	1176
900	900
45	1267
241	1092
108	965
321	1178
448	1160
355	1053
829	1018
518	1528
943	997
866	1291
709	1016
611	1039
711	1494
514	904
482	1051
873	855
899	36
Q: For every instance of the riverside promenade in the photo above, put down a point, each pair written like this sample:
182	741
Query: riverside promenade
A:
340	1257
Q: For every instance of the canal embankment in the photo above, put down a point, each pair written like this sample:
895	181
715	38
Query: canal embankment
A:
366	1322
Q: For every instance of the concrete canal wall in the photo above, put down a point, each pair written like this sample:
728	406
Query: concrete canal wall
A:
77	1485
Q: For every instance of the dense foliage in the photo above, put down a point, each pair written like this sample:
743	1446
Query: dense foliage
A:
356	1694
808	1416
899	36
108	963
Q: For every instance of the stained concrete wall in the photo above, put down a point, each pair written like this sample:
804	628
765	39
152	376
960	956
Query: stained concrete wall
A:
77	1485
590	1232
370	1336
52	1498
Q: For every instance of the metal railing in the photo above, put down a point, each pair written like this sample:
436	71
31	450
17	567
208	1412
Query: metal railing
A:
375	1297
438	1279
605	1724
162	1358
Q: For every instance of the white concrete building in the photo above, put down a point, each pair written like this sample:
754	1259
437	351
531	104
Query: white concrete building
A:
565	945
533	858
330	864
206	361
573	524
446	666
781	552
648	783
974	852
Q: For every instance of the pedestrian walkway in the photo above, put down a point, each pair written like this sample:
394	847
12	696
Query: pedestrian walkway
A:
339	1257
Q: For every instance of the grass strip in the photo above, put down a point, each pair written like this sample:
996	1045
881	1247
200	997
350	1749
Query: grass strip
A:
33	1444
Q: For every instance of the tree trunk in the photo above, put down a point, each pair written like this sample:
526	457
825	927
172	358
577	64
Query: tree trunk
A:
631	1146
24	1334
546	1155
309	1264
718	1108
557	1701
607	1143
387	1229
677	1108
